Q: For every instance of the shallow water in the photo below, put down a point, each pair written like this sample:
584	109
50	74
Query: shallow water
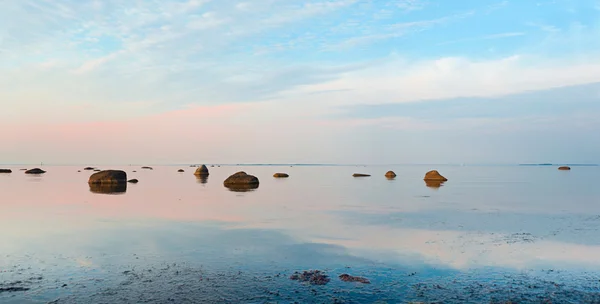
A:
491	233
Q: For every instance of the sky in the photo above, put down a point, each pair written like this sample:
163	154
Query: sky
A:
290	81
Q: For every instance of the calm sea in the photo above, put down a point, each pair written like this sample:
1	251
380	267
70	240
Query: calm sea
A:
529	234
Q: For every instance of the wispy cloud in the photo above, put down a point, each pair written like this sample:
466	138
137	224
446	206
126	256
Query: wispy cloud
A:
486	37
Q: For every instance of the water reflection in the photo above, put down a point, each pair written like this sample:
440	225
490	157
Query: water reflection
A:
203	179
119	188
434	184
242	187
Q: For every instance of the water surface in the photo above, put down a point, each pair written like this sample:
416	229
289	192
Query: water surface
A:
491	233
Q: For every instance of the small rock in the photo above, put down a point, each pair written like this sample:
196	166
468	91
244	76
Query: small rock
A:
390	174
89	168
433	175
348	278
148	168
201	171
180	170
133	181
35	171
281	175
360	175
5	171
564	168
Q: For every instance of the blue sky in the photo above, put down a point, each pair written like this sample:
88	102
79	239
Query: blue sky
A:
311	77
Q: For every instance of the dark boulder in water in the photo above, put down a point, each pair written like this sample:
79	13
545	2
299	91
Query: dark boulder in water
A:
348	278
241	178
361	175
241	182
5	171
88	168
313	277
133	181
201	171
390	174
433	175
35	171
108	177
180	170
564	168
281	175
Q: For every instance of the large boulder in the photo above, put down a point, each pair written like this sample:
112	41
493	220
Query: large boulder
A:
433	175
108	177
5	171
201	171
35	171
390	174
241	179
564	168
281	175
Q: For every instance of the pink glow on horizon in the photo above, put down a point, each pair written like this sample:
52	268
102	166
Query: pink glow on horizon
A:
179	129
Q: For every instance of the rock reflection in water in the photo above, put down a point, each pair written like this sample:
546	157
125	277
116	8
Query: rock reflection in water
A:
434	184
117	188
242	187
203	179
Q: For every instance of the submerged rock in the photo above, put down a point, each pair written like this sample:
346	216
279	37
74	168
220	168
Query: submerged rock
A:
433	175
35	171
89	168
148	168
133	181
13	289
390	174
564	168
201	171
360	175
314	277
280	175
5	171
348	278
108	177
180	170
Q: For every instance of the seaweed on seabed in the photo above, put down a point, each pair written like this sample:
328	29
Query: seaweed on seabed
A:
314	277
